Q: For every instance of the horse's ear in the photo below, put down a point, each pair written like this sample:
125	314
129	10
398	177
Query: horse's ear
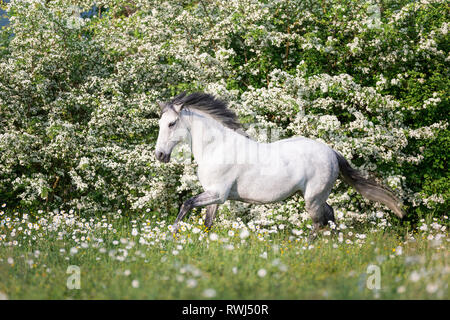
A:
178	106
162	106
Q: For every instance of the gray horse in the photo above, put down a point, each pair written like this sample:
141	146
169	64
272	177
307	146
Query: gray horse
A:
233	166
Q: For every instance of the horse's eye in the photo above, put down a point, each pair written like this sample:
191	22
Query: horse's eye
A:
172	124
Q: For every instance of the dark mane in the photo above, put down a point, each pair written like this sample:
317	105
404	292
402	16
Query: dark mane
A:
207	103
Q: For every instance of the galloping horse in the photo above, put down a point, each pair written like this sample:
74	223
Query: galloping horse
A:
233	166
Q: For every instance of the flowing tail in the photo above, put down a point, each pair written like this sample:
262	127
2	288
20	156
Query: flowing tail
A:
369	189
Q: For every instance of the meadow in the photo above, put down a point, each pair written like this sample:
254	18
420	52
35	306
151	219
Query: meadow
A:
85	206
60	255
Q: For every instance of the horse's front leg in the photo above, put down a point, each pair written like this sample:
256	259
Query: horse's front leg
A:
210	214
202	199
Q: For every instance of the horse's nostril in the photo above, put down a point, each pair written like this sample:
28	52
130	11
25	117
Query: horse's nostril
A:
159	155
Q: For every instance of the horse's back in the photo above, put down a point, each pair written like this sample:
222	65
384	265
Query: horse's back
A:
314	161
283	168
305	150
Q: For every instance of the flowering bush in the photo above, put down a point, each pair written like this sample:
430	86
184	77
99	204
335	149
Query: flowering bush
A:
79	89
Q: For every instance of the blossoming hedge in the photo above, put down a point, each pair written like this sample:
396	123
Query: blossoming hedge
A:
79	87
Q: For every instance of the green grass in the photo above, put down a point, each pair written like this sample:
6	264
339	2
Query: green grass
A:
329	270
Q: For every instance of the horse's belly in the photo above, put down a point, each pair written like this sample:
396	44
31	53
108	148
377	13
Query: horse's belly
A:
259	198
264	189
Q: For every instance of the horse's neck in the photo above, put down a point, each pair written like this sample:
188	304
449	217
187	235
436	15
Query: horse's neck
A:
208	135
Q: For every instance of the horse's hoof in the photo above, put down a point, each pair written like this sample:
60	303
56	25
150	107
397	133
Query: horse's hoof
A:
312	237
174	228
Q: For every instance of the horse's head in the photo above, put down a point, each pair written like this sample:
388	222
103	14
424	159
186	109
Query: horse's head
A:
172	130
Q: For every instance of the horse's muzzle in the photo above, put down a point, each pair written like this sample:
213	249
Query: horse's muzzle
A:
163	157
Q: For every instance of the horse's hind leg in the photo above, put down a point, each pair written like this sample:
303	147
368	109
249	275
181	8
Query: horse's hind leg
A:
320	214
317	207
316	194
328	213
